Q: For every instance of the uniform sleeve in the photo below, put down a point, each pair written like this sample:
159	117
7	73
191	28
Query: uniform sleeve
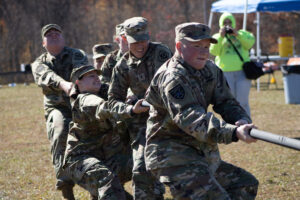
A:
246	38
215	49
106	69
44	76
88	104
117	91
191	116
224	102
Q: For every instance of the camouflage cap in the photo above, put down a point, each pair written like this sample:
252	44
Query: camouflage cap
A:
120	29
136	29
47	27
193	32
100	50
78	72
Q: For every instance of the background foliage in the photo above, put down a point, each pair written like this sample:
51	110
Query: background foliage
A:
87	22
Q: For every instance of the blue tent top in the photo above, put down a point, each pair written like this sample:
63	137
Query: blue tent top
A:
238	6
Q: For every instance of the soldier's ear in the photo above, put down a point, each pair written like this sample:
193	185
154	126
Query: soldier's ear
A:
43	43
117	40
178	46
77	82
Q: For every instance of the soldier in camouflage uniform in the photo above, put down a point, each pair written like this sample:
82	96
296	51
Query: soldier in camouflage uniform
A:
100	51
95	157
112	58
52	72
182	137
135	71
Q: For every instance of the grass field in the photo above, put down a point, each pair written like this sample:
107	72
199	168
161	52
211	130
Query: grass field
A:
26	171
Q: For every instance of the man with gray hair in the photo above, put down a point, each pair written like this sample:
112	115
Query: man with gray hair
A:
135	71
113	57
52	72
182	137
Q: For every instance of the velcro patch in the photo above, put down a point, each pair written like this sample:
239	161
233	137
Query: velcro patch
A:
177	92
78	56
163	56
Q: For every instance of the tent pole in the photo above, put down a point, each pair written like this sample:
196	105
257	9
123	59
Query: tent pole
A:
245	15
204	11
210	19
258	53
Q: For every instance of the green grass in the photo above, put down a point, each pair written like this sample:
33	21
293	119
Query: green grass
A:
26	171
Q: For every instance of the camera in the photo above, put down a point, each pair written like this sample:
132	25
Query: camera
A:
228	30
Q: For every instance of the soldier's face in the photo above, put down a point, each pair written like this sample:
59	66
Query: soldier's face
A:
227	22
195	53
53	39
139	49
90	82
98	62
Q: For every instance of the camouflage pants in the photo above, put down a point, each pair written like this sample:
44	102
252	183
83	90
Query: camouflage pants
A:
144	184
195	182
102	178
57	125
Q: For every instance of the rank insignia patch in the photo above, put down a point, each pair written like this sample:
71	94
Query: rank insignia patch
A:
177	92
163	56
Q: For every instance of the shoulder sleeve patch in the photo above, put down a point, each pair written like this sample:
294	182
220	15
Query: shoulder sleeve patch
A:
163	56
177	92
78	56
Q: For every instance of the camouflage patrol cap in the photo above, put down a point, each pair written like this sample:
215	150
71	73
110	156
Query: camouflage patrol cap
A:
100	50
136	29
120	29
78	72
193	32
48	27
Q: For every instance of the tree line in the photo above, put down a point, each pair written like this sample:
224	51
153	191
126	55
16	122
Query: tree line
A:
87	22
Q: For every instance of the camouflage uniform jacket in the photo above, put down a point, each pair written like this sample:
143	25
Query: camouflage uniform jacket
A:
49	71
107	67
179	128
91	130
135	74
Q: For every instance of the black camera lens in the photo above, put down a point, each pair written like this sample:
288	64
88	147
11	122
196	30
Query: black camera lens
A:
228	30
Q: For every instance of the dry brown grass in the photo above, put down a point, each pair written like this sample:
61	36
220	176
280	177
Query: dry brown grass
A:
25	164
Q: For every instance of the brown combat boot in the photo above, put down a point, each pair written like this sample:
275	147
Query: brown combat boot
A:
93	197
67	192
128	196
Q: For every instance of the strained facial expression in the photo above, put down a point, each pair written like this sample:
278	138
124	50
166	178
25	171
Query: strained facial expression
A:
195	53
98	62
139	49
53	39
90	82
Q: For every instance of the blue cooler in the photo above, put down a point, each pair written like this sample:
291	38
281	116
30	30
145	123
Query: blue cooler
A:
291	83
